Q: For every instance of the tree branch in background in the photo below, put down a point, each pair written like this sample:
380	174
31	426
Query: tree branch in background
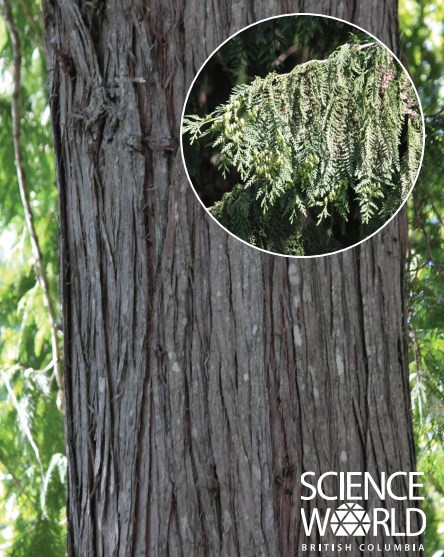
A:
34	22
39	263
434	115
22	417
419	220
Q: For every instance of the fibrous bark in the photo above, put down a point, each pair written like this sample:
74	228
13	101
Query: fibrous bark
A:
202	377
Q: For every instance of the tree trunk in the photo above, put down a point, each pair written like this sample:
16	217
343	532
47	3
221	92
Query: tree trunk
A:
202	377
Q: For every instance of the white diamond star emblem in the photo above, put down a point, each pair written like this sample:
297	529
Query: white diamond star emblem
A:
350	519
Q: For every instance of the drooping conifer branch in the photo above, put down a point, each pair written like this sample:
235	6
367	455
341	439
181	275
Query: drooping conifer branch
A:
333	141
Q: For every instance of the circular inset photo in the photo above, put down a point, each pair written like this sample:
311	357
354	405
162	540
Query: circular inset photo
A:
302	135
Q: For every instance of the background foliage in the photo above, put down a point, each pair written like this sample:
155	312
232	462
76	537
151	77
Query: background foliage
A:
423	51
32	463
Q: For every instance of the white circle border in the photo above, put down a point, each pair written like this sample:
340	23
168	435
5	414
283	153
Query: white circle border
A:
331	252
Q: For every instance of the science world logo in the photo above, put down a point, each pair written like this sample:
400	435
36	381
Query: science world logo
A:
350	518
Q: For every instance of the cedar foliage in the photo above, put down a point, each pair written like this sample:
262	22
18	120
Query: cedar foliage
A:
325	154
